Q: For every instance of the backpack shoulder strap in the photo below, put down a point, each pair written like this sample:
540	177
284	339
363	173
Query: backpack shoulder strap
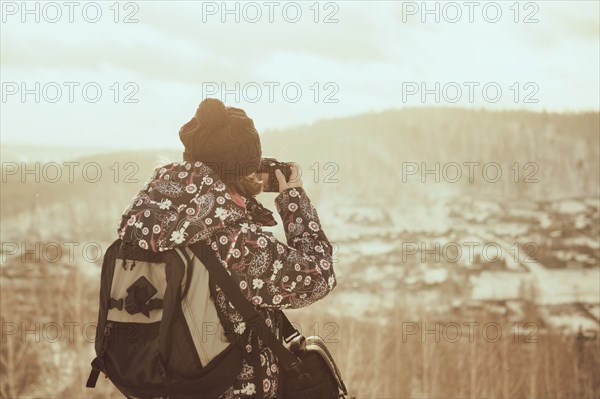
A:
223	279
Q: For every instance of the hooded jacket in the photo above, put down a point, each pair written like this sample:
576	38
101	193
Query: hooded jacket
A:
186	202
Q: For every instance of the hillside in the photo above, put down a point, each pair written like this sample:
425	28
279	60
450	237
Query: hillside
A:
400	249
374	153
561	151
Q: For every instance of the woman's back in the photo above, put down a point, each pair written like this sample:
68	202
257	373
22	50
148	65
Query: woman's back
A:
188	202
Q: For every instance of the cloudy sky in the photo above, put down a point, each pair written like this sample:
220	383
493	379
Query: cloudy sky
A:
130	75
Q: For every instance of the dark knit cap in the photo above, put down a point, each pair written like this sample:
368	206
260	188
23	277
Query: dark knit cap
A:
222	137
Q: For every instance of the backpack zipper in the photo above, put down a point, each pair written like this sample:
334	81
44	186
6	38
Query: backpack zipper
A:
107	329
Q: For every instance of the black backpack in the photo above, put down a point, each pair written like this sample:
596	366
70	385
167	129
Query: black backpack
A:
145	345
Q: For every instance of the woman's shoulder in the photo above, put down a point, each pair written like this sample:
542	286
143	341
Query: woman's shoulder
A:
184	169
178	165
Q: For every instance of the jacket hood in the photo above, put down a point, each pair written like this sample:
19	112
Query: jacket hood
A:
183	203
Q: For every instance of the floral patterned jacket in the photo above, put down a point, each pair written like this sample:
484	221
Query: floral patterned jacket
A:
185	202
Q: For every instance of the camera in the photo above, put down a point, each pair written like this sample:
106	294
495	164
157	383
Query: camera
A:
268	166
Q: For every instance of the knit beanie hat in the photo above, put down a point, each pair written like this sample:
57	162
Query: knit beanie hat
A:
224	138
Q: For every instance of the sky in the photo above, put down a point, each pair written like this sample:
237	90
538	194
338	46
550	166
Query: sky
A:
129	74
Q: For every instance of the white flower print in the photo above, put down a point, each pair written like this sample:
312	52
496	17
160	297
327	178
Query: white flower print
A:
240	328
314	226
156	229
293	192
324	264
178	236
143	244
261	242
243	284
244	227
307	280
146	213
257	283
223	240
208	221
257	300
221	213
165	204
236	253
190	211
208	180
292	207
249	389
277	299
277	266
191	188
145	231
131	221
266	385
182	175
220	200
139	225
220	186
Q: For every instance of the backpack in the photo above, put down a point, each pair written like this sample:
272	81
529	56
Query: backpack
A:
145	332
150	340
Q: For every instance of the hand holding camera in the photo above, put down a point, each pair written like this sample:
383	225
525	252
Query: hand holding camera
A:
278	176
293	181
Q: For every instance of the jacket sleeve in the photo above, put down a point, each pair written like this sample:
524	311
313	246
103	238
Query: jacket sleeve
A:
274	274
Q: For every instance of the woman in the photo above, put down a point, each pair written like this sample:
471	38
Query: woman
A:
210	196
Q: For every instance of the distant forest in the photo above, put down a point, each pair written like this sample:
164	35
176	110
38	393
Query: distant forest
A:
560	151
371	158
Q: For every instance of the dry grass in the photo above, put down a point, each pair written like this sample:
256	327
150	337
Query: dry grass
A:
375	361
